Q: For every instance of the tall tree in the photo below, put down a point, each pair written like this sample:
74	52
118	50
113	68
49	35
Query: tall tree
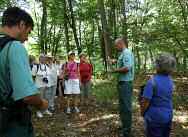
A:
73	26
66	29
43	31
105	32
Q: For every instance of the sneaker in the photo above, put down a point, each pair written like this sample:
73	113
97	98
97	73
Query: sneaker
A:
52	109
68	111
39	114
48	112
76	110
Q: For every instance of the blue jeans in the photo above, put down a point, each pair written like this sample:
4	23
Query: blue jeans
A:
125	89
153	129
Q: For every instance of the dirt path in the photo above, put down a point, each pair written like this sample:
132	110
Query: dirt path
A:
94	121
102	120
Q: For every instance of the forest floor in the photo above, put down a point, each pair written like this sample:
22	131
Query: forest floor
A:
100	118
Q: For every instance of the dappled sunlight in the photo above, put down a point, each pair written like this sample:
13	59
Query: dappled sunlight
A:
101	81
99	118
182	79
136	90
180	117
185	127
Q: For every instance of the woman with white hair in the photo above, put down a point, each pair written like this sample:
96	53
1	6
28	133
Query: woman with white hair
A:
156	104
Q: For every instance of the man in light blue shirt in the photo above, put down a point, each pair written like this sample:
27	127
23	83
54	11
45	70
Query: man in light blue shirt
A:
126	61
15	76
125	84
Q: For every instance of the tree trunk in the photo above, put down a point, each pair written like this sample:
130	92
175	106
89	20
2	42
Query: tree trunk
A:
43	31
125	26
145	60
105	32
73	26
138	59
151	56
102	48
66	29
184	63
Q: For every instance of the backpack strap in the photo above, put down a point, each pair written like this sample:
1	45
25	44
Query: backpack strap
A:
154	86
3	42
38	65
77	65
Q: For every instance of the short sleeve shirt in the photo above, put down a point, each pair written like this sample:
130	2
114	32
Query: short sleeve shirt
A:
126	60
85	72
40	71
160	109
20	73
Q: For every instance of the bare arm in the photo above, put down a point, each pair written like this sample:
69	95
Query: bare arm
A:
64	72
79	73
121	70
144	105
36	101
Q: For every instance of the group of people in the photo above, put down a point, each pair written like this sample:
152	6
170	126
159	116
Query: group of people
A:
69	79
18	90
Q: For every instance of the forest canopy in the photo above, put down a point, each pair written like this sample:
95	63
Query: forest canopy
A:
91	26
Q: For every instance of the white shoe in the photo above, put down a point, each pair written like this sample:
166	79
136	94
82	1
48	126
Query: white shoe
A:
76	110
48	112
39	114
68	111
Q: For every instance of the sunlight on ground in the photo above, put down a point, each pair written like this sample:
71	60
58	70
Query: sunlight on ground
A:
104	117
182	79
180	117
96	81
185	127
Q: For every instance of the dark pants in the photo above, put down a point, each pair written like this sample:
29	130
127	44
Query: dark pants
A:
15	129
16	121
157	129
85	89
125	89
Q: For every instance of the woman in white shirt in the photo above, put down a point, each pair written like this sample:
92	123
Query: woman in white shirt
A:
52	83
40	72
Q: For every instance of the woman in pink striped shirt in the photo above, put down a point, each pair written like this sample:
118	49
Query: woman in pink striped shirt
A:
71	76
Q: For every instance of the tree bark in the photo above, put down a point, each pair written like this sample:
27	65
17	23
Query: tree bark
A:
43	30
73	26
125	26
66	29
105	32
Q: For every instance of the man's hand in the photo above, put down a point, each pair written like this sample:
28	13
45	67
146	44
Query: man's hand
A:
112	61
44	104
36	101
